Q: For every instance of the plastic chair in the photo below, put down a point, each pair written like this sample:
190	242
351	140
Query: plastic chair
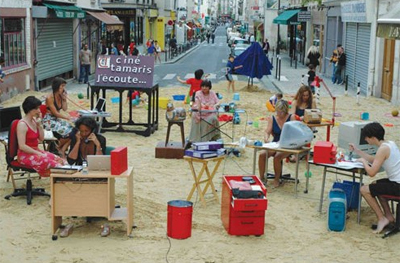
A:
396	228
13	165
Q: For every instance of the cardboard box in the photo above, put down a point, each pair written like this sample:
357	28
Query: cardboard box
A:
119	160
312	116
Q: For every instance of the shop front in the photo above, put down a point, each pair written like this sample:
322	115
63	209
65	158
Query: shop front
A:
50	43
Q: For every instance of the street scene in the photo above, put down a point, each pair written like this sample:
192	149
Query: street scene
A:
199	131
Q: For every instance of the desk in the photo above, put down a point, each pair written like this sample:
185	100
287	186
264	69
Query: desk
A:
100	115
197	177
295	152
322	124
342	170
91	194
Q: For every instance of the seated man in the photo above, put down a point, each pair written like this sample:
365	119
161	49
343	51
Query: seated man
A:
208	129
274	128
85	141
388	157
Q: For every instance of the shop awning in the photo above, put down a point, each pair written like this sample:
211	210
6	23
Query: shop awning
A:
67	11
287	17
111	22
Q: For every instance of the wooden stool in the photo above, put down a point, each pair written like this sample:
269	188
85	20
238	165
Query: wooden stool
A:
180	124
197	178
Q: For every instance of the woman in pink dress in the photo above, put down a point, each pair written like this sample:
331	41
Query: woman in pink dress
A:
29	132
205	124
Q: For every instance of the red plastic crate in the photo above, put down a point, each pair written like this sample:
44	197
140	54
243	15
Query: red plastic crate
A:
324	152
242	216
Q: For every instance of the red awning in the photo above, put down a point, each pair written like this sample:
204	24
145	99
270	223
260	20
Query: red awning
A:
111	22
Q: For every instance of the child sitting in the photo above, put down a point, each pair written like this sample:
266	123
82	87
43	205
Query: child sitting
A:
135	97
274	98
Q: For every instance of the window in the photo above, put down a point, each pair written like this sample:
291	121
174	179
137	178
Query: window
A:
12	41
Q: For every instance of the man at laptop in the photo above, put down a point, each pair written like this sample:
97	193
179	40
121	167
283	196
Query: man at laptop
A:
86	141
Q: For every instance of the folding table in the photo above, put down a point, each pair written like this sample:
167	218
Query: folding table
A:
197	176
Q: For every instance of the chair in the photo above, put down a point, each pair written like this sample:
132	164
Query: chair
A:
396	228
13	165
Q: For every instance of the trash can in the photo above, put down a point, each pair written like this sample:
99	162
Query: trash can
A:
179	224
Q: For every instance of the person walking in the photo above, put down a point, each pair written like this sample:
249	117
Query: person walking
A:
85	58
266	47
340	64
212	37
208	35
157	52
313	56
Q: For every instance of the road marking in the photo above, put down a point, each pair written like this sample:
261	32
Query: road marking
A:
224	61
283	78
190	75
169	76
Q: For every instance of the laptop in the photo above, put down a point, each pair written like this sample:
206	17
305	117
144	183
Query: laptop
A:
99	107
99	162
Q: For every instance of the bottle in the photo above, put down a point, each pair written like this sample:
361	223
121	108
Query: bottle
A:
84	167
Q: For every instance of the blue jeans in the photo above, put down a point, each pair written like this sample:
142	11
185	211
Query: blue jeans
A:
84	73
338	74
333	73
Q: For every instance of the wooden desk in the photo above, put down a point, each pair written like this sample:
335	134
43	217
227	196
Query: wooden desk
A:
346	171
197	177
322	124
92	194
295	152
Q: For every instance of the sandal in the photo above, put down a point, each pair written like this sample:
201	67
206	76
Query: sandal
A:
67	230
105	230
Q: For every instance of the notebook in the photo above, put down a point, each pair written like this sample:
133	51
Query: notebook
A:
97	108
99	162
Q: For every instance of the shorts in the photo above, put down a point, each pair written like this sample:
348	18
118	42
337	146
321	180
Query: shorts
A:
229	77
384	187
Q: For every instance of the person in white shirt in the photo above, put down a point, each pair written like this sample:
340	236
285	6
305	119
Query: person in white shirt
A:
387	157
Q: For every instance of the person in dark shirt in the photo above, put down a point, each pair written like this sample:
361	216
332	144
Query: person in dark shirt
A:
340	64
311	77
85	141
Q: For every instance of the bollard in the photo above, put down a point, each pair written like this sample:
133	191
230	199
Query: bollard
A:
166	55
345	85
279	76
317	94
272	60
358	93
276	67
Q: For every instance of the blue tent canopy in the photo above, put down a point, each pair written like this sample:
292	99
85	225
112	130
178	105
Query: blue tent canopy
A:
254	61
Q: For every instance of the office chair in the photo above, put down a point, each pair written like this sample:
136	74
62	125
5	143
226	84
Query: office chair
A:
13	165
396	228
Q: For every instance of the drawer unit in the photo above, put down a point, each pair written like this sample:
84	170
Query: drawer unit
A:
243	216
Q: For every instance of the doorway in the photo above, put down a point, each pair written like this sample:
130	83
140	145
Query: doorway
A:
387	69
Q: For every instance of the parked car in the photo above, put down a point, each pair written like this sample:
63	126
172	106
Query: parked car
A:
233	34
239	41
238	50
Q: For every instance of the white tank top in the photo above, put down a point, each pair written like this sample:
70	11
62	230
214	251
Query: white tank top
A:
392	164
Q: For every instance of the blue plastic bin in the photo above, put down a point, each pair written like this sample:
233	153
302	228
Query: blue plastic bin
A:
337	210
352	190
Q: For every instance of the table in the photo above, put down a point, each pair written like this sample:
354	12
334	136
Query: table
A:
295	152
91	194
342	170
197	177
237	111
322	124
145	128
100	115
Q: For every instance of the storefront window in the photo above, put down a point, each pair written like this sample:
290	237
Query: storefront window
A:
316	35
12	40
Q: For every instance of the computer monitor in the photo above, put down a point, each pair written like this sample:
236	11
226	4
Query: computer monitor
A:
295	134
351	132
7	115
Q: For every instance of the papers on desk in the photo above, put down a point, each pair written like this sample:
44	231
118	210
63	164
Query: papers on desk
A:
66	169
271	145
350	164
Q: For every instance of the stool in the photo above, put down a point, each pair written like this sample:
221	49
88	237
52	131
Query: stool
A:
197	177
180	124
